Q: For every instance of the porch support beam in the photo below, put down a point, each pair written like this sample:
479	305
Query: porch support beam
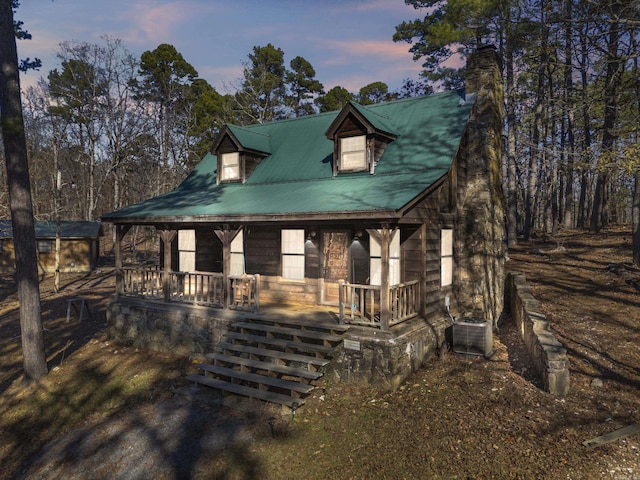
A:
226	236
121	231
383	237
422	291
167	237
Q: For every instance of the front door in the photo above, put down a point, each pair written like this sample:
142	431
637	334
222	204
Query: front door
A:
335	263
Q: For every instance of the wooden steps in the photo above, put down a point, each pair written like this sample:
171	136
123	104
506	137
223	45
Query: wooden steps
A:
297	334
256	365
290	345
238	389
271	360
257	379
263	353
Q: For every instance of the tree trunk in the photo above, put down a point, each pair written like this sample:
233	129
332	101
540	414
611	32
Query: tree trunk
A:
512	180
567	220
586	121
24	238
635	220
532	181
599	214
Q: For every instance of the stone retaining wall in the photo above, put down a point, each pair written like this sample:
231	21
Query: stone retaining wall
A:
548	354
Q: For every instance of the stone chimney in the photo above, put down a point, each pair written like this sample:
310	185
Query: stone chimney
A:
480	230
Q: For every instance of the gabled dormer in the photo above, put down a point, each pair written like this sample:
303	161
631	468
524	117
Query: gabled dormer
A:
239	151
359	137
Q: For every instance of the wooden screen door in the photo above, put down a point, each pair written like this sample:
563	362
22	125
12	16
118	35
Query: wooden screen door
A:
335	263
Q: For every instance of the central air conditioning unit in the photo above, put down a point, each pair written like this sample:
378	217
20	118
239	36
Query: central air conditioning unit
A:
472	336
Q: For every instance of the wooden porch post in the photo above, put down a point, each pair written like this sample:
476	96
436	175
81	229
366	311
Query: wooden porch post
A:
384	273
226	236
383	237
422	291
121	231
167	237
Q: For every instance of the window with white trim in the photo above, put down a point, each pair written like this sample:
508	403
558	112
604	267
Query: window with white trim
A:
446	257
186	250
45	246
293	254
230	166
236	264
375	258
353	153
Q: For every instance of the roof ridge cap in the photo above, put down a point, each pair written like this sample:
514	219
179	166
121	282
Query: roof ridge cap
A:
244	128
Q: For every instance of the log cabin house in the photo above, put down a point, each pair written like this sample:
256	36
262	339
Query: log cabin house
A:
332	242
79	246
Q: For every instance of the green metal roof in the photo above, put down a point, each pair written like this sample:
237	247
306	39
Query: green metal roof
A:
68	229
250	139
378	121
297	176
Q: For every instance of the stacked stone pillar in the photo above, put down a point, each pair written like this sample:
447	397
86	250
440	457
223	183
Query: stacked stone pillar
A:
480	231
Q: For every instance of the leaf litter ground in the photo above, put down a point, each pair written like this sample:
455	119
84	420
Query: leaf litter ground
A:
109	411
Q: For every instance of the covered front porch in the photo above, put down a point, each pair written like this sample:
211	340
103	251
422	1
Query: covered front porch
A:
378	307
256	333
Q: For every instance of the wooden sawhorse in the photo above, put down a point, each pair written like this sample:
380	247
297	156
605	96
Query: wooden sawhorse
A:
79	305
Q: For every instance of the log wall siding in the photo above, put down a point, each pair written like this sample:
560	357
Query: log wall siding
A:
208	251
262	251
411	256
250	164
75	256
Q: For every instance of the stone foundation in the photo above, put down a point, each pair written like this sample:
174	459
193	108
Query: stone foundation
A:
182	329
548	354
386	359
383	359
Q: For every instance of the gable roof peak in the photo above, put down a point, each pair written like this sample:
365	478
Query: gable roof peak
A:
372	119
244	138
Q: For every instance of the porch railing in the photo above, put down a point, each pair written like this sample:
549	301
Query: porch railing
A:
360	304
142	282
196	288
244	292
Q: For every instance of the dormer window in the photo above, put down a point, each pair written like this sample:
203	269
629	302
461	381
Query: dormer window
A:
239	151
359	136
353	153
230	163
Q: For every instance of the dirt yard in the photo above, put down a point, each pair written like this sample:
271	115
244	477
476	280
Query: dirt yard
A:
108	411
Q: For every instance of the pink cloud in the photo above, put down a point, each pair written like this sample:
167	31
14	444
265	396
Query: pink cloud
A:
363	48
155	23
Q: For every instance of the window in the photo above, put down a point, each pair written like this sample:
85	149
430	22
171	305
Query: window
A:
186	250
375	253
230	165
45	246
446	257
293	254
353	153
236	265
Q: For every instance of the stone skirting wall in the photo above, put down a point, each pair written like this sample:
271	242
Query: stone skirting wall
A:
382	359
181	329
386	359
548	354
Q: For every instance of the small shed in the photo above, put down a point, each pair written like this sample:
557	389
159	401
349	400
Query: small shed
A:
79	246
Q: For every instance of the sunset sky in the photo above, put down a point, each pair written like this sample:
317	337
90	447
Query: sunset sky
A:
347	42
